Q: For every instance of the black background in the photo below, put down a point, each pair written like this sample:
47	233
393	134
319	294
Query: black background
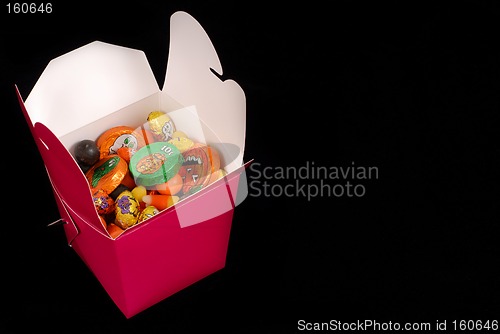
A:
409	87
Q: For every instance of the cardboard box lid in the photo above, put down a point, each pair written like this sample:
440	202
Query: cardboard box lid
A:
97	79
220	104
88	83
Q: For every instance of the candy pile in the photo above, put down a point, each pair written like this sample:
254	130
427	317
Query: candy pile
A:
135	173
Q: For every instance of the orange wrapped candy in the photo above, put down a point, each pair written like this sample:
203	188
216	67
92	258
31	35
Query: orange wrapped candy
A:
103	203
123	141
108	173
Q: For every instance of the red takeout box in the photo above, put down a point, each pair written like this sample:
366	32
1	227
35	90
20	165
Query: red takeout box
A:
98	86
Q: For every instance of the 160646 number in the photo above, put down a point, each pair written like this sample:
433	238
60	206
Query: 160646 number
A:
29	8
475	325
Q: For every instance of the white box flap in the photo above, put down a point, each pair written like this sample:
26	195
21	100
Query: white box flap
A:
220	104
87	84
99	85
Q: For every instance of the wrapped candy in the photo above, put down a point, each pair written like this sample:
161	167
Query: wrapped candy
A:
147	213
123	141
126	210
161	125
104	204
108	173
155	163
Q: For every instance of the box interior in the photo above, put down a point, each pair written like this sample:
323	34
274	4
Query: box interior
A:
99	85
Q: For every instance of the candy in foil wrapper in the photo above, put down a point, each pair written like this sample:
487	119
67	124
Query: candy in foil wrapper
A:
127	210
148	212
155	163
104	204
182	143
122	140
161	125
108	173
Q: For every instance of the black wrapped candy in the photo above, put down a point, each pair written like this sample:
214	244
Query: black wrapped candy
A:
86	152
